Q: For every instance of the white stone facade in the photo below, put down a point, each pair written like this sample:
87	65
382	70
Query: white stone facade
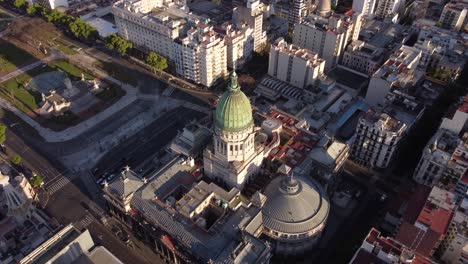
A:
362	57
454	15
399	71
377	138
234	157
251	15
199	53
389	9
327	37
435	157
365	7
293	65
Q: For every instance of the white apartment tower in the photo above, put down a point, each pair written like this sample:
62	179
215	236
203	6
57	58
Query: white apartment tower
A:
389	9
167	28
377	138
251	15
365	7
298	11
293	65
239	45
328	36
203	55
454	15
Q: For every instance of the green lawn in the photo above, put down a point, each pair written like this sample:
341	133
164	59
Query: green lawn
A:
65	46
70	69
12	57
14	90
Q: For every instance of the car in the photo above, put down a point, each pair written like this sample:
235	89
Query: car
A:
100	181
383	197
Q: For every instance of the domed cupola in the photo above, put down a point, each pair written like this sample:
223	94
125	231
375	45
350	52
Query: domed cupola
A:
233	112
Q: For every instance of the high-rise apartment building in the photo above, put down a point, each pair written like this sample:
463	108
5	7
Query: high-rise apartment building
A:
198	52
239	45
251	15
389	9
365	7
377	138
293	65
202	55
328	36
298	10
454	15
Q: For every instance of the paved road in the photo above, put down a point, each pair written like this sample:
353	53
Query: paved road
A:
149	141
66	204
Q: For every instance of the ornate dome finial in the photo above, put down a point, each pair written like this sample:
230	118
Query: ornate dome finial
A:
233	84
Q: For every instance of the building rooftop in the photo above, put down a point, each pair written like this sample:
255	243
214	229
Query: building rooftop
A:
49	249
294	205
329	154
384	121
152	202
381	34
310	57
364	49
422	241
335	23
403	107
400	68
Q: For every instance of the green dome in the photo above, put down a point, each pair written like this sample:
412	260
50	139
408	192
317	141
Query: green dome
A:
233	112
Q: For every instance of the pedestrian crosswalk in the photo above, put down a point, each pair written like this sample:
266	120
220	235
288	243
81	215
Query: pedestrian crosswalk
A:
84	223
57	185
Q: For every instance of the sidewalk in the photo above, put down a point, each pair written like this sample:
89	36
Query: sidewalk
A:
54	56
71	132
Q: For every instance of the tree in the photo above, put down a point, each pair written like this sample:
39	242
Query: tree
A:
16	159
2	133
156	61
82	30
37	181
52	15
34	9
115	42
19	3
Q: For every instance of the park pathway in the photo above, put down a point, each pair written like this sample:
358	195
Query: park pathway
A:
86	62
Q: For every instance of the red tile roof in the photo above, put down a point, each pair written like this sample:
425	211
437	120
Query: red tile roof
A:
422	242
435	218
388	245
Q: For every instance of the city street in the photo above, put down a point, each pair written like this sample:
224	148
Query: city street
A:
66	204
149	141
